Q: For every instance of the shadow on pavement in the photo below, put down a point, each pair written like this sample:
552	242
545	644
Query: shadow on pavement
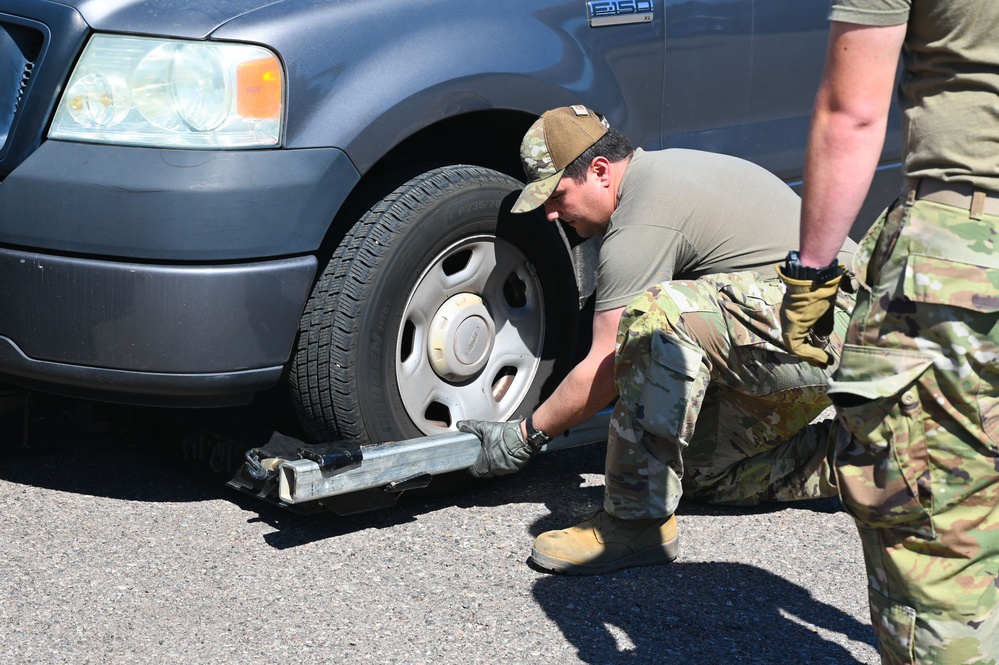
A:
101	468
137	458
696	613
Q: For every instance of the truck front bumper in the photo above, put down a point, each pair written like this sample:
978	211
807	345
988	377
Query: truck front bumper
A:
149	334
165	277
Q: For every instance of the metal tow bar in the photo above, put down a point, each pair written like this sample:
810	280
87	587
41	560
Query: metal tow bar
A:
393	465
381	465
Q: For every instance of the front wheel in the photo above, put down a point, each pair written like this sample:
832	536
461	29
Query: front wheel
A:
438	306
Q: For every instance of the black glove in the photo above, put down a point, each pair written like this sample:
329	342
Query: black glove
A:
504	450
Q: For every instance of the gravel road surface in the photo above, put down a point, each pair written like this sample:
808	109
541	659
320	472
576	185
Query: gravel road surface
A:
112	553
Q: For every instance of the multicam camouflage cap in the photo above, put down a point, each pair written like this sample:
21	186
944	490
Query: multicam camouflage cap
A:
557	138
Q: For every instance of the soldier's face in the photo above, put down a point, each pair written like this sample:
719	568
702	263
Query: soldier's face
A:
581	205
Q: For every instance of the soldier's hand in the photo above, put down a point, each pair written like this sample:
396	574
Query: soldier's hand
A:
806	317
504	450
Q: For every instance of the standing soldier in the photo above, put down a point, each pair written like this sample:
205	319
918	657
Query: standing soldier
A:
917	389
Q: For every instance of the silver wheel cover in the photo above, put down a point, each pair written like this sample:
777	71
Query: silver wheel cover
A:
471	335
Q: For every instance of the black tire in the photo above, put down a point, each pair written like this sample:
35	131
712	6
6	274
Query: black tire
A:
438	261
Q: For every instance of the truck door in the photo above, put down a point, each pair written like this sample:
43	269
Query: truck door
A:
741	76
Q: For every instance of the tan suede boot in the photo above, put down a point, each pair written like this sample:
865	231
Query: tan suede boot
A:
604	543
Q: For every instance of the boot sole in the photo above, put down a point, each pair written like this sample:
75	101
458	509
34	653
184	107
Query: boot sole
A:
653	556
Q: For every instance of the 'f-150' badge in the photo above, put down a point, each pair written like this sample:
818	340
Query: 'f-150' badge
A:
616	12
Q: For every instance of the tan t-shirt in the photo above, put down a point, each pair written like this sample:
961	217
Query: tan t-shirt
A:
683	214
949	92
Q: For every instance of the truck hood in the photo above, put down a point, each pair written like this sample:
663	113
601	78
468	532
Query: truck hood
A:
192	19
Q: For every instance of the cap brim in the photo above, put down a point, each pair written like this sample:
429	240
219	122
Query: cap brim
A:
536	193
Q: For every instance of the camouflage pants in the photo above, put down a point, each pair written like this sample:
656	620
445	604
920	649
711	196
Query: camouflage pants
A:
712	406
917	455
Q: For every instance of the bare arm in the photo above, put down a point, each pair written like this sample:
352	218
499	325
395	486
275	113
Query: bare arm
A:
847	134
589	387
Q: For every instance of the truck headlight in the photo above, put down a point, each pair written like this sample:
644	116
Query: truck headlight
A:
172	93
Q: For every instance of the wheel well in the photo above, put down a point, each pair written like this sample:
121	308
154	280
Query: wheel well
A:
482	138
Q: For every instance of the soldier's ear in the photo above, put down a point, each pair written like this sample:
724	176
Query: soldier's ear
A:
600	167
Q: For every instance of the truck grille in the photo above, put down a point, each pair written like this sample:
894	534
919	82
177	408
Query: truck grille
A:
20	47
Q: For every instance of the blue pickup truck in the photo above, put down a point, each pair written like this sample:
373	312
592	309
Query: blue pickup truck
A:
201	201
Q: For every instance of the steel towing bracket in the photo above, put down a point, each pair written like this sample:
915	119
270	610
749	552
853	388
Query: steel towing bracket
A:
399	465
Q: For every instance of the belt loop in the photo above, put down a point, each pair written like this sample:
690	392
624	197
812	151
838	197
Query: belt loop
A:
913	187
977	205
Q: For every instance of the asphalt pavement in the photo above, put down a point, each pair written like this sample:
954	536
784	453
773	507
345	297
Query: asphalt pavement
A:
112	552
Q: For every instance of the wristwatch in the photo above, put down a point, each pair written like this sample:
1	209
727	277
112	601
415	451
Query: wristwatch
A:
794	270
535	437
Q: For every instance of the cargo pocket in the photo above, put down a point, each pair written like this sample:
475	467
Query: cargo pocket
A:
755	361
971	287
669	386
881	456
895	626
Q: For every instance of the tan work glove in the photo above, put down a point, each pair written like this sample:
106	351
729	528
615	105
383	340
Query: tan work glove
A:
806	317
